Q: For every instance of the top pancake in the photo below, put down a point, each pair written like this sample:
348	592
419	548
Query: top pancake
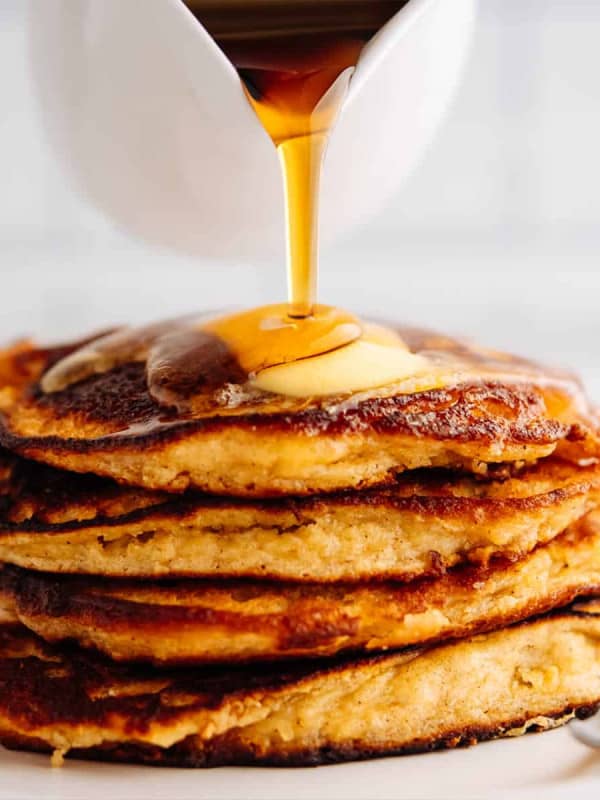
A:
492	409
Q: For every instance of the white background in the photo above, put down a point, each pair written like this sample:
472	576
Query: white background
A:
496	234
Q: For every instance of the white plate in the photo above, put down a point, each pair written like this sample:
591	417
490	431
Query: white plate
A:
552	765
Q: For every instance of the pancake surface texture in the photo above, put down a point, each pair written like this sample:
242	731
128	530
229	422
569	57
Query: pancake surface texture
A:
426	523
482	408
544	673
203	622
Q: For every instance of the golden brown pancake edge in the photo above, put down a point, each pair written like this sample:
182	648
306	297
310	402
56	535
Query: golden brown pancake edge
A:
232	621
109	424
545	673
428	522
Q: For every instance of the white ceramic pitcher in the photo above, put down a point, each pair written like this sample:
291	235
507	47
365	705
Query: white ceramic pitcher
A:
150	119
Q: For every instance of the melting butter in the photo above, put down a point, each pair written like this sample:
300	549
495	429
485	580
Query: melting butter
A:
356	367
331	352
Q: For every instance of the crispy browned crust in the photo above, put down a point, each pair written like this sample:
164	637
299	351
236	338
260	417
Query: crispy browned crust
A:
107	422
116	401
43	499
186	755
46	692
67	684
233	621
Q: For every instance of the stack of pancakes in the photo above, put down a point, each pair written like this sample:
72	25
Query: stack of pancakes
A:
297	583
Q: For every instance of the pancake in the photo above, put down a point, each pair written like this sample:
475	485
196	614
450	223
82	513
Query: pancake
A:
485	408
427	522
204	622
531	677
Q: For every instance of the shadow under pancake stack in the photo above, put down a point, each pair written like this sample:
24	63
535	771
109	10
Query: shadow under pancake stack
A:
261	580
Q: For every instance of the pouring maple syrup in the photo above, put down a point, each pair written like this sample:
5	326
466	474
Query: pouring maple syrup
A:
295	59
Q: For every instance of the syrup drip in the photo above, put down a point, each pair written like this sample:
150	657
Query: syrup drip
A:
298	110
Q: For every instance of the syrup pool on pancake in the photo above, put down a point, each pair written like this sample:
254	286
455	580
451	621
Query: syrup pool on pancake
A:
201	366
263	349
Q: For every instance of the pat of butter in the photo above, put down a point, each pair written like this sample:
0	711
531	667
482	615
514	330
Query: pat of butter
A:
359	366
